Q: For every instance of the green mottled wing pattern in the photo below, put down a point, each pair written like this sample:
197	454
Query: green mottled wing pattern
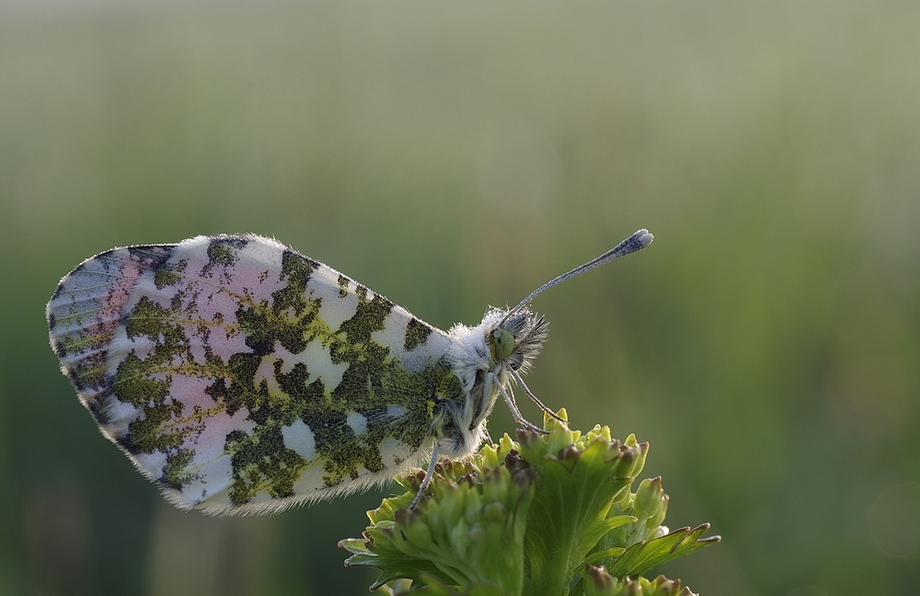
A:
243	377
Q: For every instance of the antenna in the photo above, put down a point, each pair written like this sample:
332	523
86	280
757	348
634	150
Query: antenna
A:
637	241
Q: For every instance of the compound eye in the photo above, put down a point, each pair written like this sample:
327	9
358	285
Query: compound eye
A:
502	343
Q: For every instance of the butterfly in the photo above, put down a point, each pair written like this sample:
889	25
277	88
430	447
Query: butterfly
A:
243	378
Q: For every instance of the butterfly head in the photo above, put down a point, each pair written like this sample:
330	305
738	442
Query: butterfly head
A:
516	339
483	357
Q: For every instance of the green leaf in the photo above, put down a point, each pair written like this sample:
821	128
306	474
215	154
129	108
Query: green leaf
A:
578	478
643	556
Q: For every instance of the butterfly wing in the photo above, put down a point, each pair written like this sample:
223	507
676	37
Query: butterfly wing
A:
243	377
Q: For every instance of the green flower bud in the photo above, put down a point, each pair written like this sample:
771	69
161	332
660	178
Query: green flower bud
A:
651	503
415	532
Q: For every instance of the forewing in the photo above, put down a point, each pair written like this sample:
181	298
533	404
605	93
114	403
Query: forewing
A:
244	377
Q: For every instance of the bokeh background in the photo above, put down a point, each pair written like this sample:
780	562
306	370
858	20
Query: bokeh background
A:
456	155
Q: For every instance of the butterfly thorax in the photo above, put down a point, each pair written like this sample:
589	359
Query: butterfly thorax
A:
482	358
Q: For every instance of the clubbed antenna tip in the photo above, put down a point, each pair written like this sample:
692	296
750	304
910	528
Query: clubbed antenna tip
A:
637	241
641	239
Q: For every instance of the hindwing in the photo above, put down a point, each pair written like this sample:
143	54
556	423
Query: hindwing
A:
244	377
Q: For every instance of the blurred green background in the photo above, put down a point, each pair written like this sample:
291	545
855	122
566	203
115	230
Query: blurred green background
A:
452	156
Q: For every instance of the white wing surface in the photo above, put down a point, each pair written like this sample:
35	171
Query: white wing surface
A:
243	377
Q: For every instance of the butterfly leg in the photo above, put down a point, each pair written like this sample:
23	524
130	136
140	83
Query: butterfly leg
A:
515	412
428	474
520	381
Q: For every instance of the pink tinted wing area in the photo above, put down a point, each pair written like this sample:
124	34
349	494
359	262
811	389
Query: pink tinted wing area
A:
86	309
148	334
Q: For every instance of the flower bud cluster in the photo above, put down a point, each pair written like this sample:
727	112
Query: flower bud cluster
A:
545	514
601	583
